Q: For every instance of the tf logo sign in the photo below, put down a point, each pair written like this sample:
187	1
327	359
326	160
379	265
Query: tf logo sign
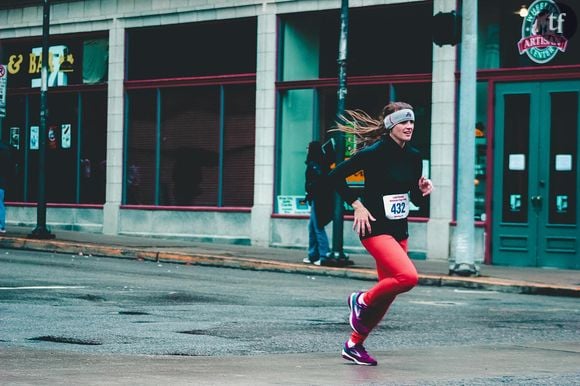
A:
543	31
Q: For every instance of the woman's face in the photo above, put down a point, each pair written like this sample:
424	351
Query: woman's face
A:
402	132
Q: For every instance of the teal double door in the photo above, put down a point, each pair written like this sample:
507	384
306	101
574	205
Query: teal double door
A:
536	186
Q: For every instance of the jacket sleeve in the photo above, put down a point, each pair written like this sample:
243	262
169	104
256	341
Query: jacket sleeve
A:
337	177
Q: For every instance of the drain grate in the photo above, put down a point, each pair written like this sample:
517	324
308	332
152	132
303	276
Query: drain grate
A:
63	339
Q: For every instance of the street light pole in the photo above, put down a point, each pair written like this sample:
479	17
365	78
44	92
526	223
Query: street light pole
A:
464	235
41	232
338	219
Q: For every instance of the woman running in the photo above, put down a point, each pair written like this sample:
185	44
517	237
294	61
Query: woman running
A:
393	177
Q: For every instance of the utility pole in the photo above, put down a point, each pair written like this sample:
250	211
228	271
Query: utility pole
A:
338	219
464	235
41	232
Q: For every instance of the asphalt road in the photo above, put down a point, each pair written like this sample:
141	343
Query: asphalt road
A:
68	319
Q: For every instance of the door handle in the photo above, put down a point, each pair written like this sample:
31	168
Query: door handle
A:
536	200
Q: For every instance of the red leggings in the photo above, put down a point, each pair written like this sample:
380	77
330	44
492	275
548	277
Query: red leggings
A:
396	272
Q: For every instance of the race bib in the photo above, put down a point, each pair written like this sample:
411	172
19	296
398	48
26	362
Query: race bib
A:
396	206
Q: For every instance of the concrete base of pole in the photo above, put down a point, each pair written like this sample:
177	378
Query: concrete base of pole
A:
464	269
41	233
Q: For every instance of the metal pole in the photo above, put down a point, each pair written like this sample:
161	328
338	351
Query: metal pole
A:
464	235
41	232
338	219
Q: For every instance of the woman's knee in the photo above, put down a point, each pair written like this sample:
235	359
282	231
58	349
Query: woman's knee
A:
407	280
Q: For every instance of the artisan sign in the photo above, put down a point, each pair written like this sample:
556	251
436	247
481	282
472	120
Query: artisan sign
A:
543	32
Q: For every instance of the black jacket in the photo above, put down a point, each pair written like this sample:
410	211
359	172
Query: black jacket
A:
318	190
6	165
388	169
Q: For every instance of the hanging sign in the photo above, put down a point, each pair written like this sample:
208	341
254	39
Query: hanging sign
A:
543	31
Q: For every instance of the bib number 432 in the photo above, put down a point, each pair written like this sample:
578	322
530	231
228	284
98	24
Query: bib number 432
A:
396	206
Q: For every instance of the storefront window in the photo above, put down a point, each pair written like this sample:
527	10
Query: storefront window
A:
309	114
196	49
191	146
76	126
191	141
310	42
75	147
309	48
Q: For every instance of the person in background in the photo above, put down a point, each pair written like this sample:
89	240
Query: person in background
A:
6	171
393	177
319	197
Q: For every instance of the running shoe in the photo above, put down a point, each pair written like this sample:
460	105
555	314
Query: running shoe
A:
308	260
358	355
357	312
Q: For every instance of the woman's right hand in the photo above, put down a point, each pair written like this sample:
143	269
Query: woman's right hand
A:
362	219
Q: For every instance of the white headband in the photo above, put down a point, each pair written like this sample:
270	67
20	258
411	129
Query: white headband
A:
398	116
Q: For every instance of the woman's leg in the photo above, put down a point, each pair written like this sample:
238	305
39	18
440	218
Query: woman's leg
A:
312	237
396	273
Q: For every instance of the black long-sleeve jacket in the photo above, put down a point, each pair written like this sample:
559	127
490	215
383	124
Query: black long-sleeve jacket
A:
388	169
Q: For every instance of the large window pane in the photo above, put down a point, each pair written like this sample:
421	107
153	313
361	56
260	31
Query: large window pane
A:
297	109
190	139
197	49
310	42
93	148
140	168
238	147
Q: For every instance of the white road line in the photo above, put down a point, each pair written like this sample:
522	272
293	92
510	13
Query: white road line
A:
41	287
476	292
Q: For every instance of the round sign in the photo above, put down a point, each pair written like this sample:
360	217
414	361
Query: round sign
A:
543	31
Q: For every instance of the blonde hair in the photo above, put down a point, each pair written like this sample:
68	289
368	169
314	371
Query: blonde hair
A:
367	130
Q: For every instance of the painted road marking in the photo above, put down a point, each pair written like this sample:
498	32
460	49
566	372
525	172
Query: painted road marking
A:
42	287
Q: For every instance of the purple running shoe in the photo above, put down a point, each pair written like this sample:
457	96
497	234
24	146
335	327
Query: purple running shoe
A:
357	314
358	355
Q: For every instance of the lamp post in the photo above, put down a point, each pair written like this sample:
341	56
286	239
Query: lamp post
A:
463	263
41	232
338	219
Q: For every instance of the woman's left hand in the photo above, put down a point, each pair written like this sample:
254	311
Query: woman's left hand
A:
425	186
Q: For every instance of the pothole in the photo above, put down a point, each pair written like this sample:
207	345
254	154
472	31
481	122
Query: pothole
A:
63	339
133	313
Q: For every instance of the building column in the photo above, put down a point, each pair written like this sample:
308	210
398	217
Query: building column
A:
265	127
442	144
115	105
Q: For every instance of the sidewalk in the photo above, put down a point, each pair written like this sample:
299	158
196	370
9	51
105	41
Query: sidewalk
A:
541	281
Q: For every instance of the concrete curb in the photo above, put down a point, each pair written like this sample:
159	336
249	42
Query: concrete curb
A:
476	283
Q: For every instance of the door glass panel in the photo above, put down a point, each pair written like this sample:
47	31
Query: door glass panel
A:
563	152
516	158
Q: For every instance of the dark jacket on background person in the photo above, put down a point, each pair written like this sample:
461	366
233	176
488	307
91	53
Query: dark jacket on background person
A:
6	165
318	189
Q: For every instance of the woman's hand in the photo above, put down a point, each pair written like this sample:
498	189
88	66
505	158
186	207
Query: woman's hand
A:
362	219
425	185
